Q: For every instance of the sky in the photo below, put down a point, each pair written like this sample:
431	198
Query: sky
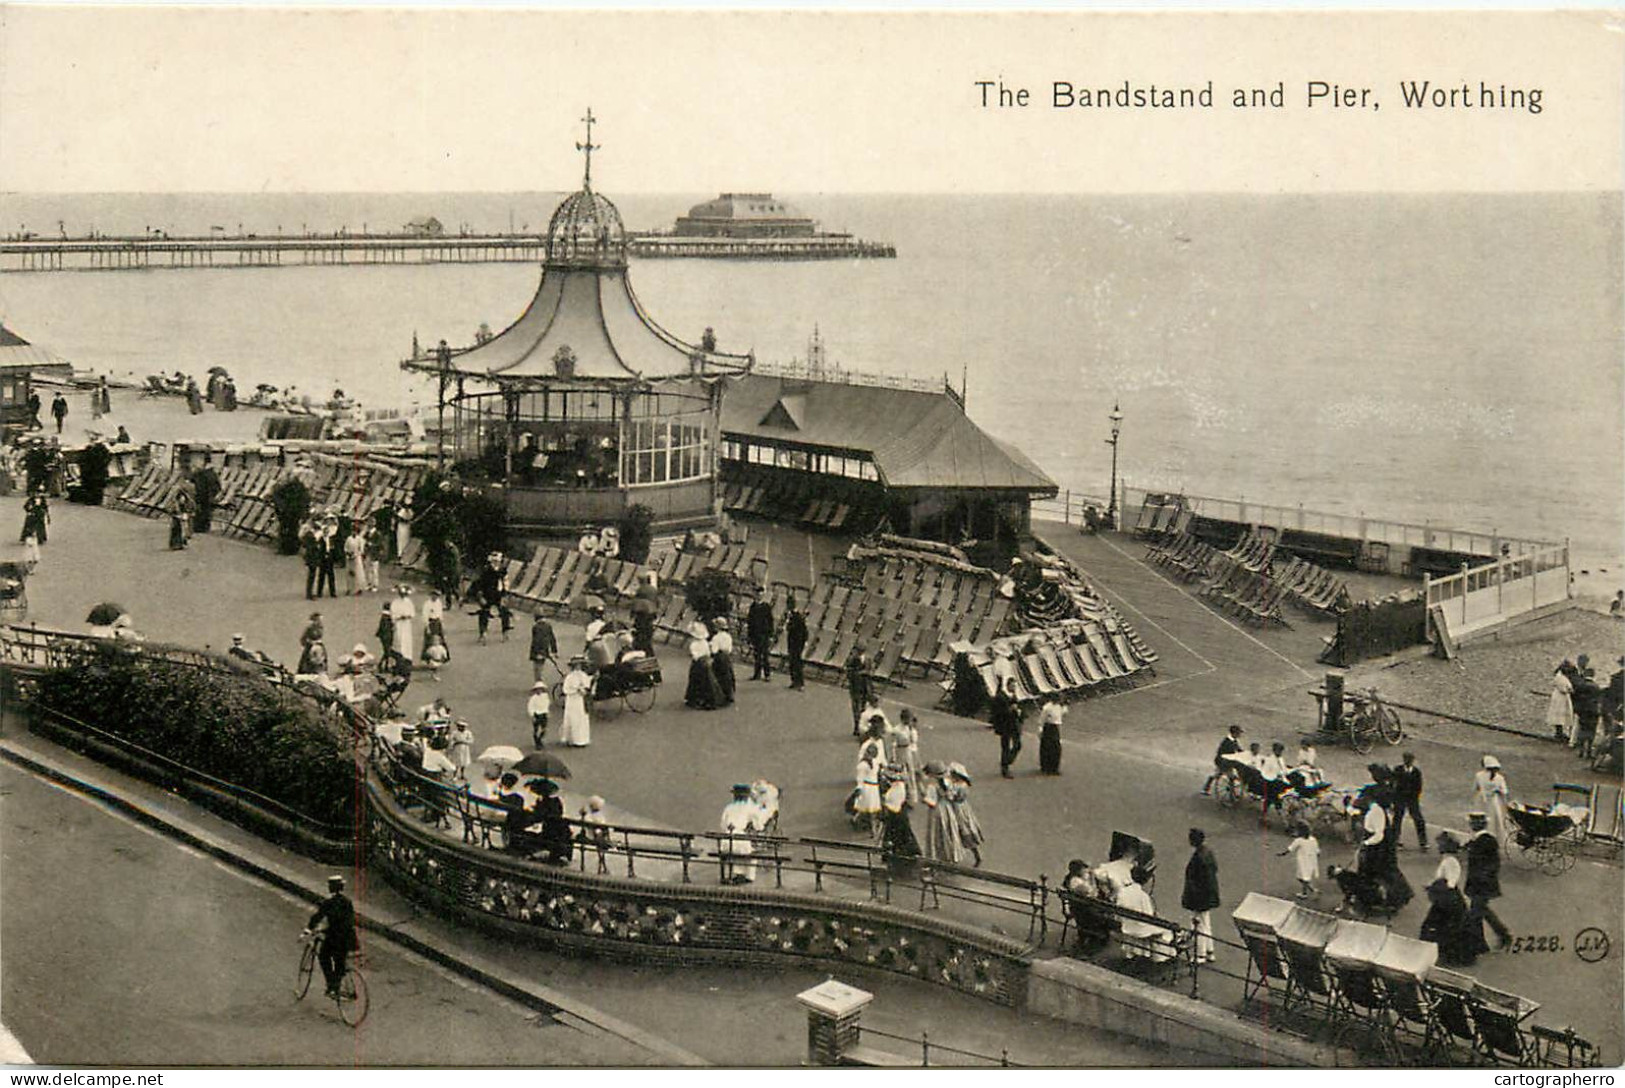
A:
203	99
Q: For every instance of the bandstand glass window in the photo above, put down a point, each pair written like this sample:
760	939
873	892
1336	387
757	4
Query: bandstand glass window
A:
665	451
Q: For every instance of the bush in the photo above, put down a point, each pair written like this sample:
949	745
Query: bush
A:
710	593
229	725
637	533
291	501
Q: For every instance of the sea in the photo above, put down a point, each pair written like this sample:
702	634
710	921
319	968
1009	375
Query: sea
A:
1454	359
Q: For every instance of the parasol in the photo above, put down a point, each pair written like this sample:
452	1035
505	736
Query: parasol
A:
588	601
105	613
505	754
643	606
218	370
542	763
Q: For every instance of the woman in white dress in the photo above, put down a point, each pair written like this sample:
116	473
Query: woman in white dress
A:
1490	792
355	562
404	613
1560	707
575	731
434	623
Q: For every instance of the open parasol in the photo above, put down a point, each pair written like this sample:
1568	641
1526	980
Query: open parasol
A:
105	613
588	601
506	754
543	763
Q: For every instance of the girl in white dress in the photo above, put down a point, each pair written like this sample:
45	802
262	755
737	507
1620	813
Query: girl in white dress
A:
575	730
405	613
1560	707
1490	791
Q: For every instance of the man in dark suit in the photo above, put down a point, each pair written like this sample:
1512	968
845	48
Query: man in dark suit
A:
1006	720
339	940
328	556
310	547
759	630
1483	882
544	645
795	643
1406	784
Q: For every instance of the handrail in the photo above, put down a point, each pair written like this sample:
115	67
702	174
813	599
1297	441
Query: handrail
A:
927	1046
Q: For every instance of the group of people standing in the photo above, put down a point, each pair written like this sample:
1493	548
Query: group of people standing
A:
327	540
1579	708
889	780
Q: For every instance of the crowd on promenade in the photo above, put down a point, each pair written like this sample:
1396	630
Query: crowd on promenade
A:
1588	716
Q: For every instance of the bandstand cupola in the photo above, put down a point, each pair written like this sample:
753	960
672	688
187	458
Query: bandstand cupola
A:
585	405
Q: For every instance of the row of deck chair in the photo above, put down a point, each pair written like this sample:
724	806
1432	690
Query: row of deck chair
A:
1248	596
804	502
1253	551
1087	604
1313	587
739	560
848	607
929	584
1184	557
1163	515
1054	664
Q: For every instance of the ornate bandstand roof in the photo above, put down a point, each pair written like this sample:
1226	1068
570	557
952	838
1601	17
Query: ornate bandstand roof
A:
585	322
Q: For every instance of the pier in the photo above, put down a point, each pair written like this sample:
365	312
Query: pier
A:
126	253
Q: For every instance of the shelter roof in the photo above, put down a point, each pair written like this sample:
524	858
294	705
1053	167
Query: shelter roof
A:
18	354
917	439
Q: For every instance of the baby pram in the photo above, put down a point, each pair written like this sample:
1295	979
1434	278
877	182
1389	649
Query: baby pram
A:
13	592
1546	838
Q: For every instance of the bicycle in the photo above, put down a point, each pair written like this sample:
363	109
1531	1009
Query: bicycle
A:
351	999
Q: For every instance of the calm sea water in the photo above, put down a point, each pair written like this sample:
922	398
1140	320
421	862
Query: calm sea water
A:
1453	358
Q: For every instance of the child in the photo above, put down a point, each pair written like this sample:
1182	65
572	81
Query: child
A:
538	706
435	653
1307	861
462	748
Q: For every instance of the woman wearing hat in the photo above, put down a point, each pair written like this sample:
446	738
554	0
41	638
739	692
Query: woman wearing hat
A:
1490	794
958	798
941	830
722	660
897	842
575	730
461	751
405	614
702	693
1560	706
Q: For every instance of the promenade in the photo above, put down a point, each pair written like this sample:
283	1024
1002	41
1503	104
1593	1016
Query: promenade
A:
1133	760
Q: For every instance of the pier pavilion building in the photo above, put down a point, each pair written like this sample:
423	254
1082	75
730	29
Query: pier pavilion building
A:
585	406
744	215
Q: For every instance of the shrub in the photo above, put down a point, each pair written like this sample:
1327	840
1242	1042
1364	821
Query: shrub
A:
227	724
291	501
710	593
637	533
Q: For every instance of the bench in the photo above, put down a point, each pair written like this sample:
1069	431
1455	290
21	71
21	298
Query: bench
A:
1031	898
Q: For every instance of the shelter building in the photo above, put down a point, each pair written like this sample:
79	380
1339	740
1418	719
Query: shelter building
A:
19	362
850	456
585	406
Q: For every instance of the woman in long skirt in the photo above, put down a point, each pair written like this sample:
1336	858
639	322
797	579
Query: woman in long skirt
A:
970	829
907	731
1490	792
722	661
702	693
1560	707
575	730
404	613
1049	738
941	829
897	842
865	800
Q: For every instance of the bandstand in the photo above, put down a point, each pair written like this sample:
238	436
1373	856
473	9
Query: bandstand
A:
585	406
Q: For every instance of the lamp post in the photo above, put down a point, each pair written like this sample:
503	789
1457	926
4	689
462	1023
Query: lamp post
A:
1116	417
442	357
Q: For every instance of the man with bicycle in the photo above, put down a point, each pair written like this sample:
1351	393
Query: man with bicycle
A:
335	919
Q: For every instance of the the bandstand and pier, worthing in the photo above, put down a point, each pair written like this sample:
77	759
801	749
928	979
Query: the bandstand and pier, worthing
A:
854	498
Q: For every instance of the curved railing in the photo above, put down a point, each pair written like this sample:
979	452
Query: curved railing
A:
648	919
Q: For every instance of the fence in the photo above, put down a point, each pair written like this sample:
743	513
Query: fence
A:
1069	507
1481	597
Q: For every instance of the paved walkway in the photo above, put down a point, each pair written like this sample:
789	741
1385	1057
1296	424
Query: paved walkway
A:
1133	760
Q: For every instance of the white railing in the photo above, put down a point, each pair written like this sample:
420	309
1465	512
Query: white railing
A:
1379	530
796	370
1482	596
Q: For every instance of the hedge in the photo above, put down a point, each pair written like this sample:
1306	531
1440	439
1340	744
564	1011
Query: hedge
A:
227	724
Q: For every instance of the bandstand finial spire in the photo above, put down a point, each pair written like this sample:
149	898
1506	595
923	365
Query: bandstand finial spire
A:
588	148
